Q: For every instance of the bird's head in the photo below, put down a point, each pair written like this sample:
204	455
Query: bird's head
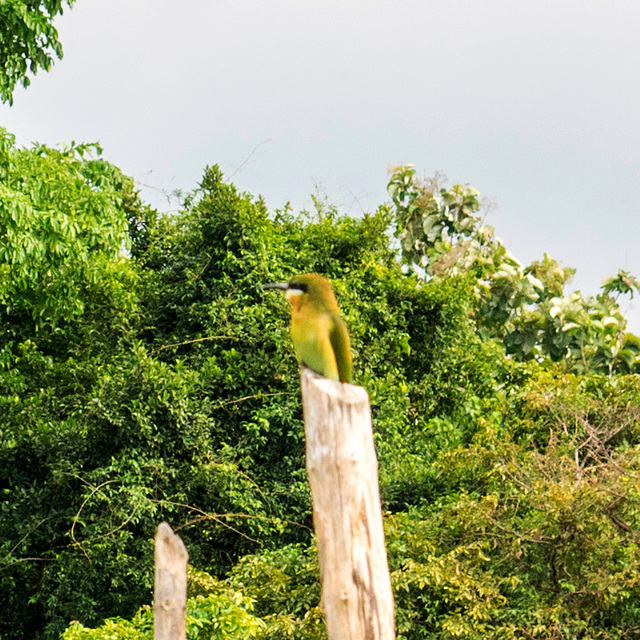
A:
310	288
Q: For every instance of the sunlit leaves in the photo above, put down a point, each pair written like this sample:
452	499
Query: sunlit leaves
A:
28	41
224	615
428	218
61	222
623	282
525	307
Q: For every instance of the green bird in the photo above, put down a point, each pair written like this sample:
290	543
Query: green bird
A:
319	334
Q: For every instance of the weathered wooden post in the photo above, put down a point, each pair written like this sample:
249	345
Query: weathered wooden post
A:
343	472
170	591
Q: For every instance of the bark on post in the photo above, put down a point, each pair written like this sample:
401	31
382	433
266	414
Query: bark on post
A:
170	592
343	472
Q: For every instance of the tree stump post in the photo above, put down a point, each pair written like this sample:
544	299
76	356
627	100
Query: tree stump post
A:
170	590
357	601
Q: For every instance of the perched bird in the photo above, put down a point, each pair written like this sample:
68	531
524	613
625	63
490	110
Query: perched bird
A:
319	334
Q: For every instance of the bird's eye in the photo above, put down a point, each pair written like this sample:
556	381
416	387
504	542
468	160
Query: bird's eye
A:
299	286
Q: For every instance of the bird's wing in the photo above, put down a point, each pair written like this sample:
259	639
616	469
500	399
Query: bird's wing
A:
339	337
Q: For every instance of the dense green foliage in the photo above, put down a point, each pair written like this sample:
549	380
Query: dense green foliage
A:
145	376
62	229
27	41
525	307
214	612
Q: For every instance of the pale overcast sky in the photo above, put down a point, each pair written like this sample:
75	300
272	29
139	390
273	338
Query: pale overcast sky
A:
534	103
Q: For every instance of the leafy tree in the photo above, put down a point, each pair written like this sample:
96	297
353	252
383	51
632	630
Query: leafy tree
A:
28	41
145	375
189	410
529	540
525	307
532	531
220	616
62	230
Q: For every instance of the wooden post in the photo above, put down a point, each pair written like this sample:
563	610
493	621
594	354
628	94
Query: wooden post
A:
343	472
170	592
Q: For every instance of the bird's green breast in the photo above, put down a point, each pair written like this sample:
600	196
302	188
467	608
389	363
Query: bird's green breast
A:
311	340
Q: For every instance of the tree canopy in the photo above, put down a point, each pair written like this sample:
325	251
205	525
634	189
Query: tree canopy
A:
28	41
145	376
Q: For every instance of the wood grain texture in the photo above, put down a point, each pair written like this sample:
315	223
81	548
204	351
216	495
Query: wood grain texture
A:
357	601
170	592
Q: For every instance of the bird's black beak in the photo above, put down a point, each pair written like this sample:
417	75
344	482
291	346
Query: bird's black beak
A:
276	285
